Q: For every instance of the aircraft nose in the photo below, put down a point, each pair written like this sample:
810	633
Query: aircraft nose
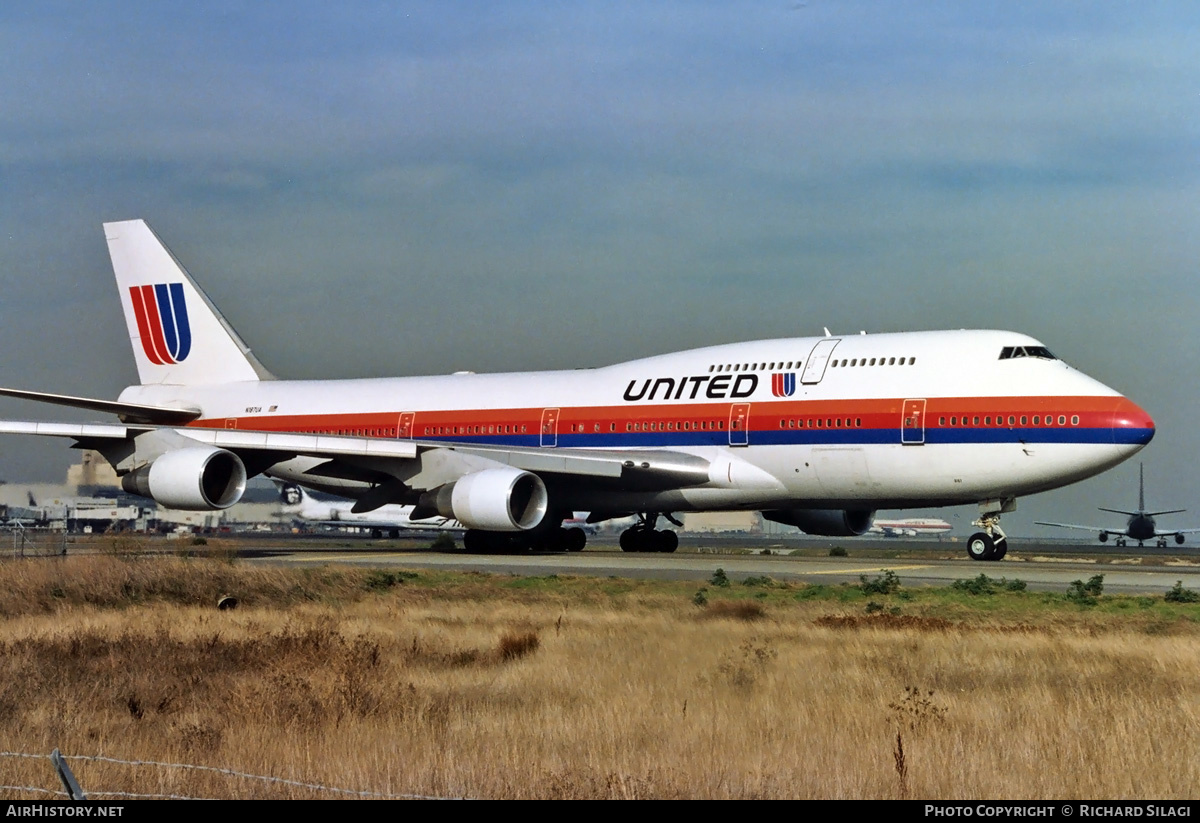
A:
1131	425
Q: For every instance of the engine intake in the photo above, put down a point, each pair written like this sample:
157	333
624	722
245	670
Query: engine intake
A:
193	479
825	522
504	500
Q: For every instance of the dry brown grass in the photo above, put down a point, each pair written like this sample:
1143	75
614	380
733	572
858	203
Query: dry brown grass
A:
480	687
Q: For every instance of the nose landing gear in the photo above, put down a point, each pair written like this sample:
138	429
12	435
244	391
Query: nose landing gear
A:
991	543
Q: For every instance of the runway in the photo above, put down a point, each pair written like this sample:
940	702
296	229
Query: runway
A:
1042	567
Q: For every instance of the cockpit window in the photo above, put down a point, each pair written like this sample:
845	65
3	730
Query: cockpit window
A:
1011	352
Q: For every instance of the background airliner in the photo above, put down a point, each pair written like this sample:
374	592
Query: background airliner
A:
813	432
390	519
1140	526
910	527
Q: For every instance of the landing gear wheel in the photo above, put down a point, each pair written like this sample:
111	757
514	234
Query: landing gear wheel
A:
981	547
1000	550
574	540
629	540
666	541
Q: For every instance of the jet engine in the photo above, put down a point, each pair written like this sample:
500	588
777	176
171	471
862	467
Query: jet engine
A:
193	479
825	522
503	500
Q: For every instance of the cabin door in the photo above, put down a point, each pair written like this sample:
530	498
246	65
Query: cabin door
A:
912	424
404	427
739	424
549	427
818	359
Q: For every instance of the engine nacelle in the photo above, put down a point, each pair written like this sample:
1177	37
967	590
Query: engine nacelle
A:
193	479
500	500
825	522
1179	538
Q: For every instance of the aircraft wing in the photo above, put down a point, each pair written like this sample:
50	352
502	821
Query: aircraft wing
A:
316	445
1095	529
416	464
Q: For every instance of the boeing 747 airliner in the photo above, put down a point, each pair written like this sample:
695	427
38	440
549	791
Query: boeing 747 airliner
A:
813	432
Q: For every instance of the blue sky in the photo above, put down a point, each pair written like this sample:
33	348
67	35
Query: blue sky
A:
408	188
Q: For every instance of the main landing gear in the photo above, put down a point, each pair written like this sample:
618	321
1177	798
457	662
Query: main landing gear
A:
643	537
991	543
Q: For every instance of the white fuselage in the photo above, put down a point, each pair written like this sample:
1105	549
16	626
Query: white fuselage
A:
867	421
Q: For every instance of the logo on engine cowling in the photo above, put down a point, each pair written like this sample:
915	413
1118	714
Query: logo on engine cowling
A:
689	388
162	322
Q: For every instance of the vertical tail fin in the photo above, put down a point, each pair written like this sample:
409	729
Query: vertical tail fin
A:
178	336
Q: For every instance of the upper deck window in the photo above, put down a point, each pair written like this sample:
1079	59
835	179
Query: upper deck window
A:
1013	352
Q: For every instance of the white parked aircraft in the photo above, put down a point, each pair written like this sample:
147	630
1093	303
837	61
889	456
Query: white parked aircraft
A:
1140	526
910	527
388	519
814	432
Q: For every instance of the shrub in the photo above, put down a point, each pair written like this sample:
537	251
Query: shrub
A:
747	610
837	551
513	645
988	585
1178	594
380	580
975	586
888	583
1085	594
719	579
700	598
444	542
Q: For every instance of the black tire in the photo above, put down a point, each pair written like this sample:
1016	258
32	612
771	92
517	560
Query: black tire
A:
666	541
980	546
1000	550
473	541
574	540
629	540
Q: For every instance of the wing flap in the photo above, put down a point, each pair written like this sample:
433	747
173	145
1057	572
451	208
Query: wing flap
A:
91	431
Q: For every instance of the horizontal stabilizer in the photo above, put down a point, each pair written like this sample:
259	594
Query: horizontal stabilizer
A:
128	412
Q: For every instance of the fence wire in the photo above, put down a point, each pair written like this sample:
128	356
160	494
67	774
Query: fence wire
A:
200	768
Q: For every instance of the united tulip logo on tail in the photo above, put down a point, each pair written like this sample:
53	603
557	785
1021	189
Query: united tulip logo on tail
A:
162	322
783	384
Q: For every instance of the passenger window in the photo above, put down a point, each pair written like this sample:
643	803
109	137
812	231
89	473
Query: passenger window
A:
1075	420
